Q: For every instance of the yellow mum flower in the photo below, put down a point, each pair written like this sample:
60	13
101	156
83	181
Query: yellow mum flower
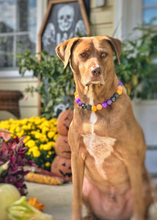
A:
51	143
37	122
28	153
30	143
44	138
46	147
29	126
45	129
25	127
35	148
36	153
11	120
55	123
32	119
51	134
54	129
24	121
27	138
45	124
43	119
48	156
38	135
47	164
41	147
53	120
55	137
50	152
20	134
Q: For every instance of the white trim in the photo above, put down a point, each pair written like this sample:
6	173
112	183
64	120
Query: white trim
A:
118	19
41	9
132	17
13	73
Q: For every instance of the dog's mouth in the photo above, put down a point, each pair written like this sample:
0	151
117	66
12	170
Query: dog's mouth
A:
94	80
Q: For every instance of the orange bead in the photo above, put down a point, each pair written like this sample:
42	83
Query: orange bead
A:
119	91
119	87
94	108
75	93
99	106
76	96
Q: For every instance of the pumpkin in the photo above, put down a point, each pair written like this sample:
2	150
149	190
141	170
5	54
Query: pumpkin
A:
62	167
8	195
64	121
62	147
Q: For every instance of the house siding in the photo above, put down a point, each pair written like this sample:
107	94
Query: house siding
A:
102	19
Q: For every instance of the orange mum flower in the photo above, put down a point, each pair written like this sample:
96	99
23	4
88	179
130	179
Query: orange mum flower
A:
36	204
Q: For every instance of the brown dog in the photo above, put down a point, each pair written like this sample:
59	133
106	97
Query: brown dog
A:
108	147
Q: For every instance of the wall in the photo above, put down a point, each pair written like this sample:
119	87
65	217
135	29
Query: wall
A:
102	19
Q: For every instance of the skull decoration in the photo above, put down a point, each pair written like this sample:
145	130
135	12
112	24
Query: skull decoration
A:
65	17
49	34
80	28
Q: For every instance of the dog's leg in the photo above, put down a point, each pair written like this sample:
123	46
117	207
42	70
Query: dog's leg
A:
89	213
77	165
134	168
77	177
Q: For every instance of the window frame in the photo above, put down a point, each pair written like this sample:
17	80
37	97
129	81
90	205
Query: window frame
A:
147	7
13	72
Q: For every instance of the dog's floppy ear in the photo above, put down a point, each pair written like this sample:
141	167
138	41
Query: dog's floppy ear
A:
64	50
116	46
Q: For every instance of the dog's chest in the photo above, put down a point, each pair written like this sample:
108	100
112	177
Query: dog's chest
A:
98	146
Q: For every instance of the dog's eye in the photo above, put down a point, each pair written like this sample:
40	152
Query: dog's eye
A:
84	54
103	54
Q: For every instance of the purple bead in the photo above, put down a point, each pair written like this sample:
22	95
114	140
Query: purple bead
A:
104	105
77	100
80	103
120	83
109	102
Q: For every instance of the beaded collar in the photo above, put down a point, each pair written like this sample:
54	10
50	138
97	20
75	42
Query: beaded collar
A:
104	104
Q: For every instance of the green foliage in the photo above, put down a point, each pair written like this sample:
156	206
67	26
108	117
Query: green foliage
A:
137	65
55	80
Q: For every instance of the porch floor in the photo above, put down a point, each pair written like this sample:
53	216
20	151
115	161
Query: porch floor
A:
57	199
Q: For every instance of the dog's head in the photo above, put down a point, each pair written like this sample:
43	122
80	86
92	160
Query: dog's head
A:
91	58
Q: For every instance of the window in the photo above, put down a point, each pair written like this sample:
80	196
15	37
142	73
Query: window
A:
17	29
149	11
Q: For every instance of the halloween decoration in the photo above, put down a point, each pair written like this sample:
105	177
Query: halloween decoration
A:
62	147
64	19
64	121
62	166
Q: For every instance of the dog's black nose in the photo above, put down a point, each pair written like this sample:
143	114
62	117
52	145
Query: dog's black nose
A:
97	71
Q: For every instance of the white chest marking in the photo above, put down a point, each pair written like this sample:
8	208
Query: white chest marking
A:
98	147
